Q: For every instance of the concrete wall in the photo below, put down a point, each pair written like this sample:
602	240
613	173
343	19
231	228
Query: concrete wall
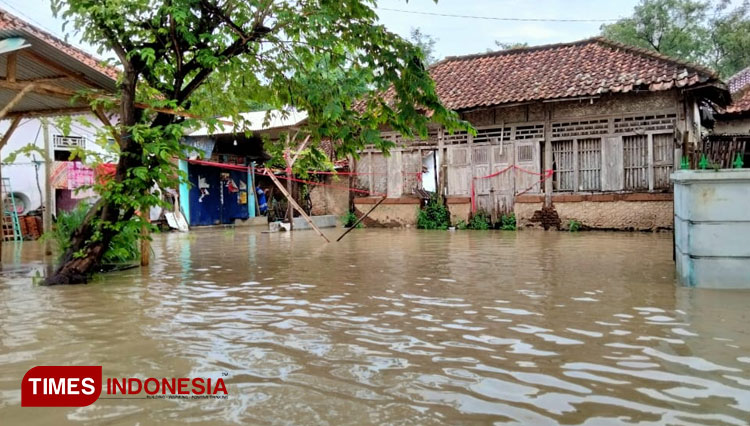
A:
329	201
633	212
712	226
732	126
392	213
460	209
22	172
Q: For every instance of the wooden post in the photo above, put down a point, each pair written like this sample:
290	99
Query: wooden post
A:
11	61
48	189
440	171
650	161
435	169
289	209
255	194
295	205
145	243
547	154
352	181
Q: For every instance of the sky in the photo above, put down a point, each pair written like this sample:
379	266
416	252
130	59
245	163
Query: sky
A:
454	36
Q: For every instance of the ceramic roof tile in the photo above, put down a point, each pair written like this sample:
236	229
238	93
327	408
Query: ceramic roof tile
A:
585	68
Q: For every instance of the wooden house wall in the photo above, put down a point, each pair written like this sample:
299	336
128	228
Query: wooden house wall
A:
617	143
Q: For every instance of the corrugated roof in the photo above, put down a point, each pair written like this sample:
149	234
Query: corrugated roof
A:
259	121
65	67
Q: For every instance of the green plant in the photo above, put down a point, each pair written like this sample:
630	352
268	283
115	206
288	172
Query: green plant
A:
508	222
480	221
122	249
349	219
182	63
574	225
434	215
461	225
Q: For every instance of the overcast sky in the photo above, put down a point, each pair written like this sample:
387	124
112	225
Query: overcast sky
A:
455	36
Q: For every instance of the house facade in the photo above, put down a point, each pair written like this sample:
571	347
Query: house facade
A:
587	131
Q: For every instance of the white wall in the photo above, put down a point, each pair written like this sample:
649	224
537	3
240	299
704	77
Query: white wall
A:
22	172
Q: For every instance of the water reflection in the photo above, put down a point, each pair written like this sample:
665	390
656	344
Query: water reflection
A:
392	327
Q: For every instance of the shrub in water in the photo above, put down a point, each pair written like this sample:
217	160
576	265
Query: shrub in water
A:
508	222
480	221
123	248
433	215
350	219
574	225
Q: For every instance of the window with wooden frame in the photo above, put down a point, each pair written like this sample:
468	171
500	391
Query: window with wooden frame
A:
577	164
648	160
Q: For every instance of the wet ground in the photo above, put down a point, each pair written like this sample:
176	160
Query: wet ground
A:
388	326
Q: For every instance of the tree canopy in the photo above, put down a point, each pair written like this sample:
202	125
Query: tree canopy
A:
425	43
715	33
212	58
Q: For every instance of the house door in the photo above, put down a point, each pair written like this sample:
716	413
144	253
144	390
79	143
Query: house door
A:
459	171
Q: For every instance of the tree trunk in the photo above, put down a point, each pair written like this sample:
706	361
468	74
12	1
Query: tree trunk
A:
84	256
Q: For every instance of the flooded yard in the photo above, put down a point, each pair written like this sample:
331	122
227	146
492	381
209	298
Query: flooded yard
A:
388	326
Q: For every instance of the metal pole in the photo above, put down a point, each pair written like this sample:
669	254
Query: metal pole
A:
47	212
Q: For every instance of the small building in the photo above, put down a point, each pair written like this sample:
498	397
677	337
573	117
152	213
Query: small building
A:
219	168
590	129
42	76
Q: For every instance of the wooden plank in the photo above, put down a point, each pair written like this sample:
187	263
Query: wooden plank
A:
395	175
295	205
361	219
6	137
16	99
11	66
650	161
99	112
547	153
613	171
576	167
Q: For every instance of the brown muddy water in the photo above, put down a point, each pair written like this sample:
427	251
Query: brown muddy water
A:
390	327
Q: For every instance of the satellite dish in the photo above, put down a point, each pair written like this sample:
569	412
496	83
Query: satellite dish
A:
12	44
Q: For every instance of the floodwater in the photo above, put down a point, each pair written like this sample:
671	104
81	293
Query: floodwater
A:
389	326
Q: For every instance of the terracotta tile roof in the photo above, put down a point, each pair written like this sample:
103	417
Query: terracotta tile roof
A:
584	68
739	81
740	102
10	22
739	86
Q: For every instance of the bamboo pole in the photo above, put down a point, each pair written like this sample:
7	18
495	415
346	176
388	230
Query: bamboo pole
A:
295	205
361	219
